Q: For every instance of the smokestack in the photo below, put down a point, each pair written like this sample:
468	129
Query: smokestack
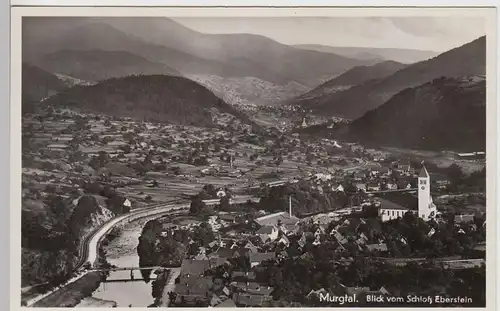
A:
231	161
290	205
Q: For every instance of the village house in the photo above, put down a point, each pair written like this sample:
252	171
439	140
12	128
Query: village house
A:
227	219
385	171
391	186
250	300
228	303
283	240
243	276
372	186
380	247
389	210
464	219
361	187
268	233
359	176
257	258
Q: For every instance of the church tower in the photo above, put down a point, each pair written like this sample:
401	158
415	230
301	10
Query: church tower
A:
304	124
426	208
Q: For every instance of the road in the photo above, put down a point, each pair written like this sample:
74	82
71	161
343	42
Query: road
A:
89	248
170	286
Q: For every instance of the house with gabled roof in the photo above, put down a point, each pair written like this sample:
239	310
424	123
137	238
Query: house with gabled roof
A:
284	241
268	233
250	246
250	300
243	276
257	258
215	300
193	267
228	303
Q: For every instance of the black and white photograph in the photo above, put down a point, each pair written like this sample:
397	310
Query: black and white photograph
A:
334	159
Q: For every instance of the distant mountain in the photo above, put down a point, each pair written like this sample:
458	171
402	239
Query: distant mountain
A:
405	56
354	76
96	65
190	52
248	90
469	59
445	114
156	98
38	84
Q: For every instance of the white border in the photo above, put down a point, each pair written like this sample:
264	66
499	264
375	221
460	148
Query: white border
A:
264	3
15	143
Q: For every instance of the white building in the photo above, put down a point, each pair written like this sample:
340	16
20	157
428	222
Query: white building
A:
425	207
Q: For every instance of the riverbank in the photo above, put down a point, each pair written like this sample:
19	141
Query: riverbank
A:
122	252
71	294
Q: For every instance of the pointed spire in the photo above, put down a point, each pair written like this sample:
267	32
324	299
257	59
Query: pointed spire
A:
423	172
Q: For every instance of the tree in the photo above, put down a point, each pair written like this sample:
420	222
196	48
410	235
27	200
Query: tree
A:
455	173
224	203
197	206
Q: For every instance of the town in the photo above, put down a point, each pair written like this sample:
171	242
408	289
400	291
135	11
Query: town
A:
169	167
352	201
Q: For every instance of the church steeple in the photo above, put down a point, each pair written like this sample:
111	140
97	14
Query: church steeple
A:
426	209
423	173
304	124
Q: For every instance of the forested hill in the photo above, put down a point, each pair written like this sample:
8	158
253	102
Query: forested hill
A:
155	98
38	83
466	60
447	113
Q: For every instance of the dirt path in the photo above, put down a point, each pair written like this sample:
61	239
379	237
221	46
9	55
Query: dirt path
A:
170	286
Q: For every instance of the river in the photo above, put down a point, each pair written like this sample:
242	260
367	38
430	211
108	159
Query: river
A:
122	252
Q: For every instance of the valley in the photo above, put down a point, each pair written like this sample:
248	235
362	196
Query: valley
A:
267	165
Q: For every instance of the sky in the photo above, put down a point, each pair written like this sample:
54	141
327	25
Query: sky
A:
437	34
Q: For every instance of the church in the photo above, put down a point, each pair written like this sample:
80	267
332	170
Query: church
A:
396	205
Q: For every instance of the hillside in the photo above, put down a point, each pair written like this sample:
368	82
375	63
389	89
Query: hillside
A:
96	65
354	76
248	90
37	84
190	52
447	113
155	98
469	59
405	56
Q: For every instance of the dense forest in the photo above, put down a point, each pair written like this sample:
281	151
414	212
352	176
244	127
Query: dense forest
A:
154	98
306	198
446	113
52	232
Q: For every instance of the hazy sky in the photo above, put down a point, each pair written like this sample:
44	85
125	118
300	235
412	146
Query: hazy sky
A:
424	33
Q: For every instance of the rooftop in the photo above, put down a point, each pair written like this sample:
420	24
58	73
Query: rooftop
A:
398	201
194	267
273	219
260	257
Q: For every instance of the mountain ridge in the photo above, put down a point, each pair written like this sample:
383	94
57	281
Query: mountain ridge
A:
405	56
354	76
96	65
446	113
187	51
468	59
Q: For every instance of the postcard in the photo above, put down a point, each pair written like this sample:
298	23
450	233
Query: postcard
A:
253	157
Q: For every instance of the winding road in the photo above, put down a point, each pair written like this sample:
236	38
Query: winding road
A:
89	248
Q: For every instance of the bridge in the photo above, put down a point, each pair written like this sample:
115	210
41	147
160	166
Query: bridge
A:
123	278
